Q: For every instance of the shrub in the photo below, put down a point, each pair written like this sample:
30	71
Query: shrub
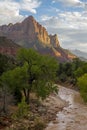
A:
23	110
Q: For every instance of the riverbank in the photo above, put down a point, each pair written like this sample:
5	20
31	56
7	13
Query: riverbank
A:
54	104
40	114
68	85
73	116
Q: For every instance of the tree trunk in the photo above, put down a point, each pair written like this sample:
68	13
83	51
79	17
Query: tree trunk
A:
4	109
27	97
24	91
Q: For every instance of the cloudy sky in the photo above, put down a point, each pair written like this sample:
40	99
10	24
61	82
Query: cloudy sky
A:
67	18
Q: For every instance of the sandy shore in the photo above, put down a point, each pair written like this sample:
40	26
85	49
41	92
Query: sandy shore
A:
54	101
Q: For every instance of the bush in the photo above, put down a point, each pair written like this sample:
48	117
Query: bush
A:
63	77
23	110
39	126
82	84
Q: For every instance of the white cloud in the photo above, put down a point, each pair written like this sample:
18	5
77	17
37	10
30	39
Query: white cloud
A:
45	17
10	10
53	1
30	5
71	28
77	3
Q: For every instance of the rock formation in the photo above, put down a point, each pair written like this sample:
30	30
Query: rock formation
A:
54	40
8	47
29	33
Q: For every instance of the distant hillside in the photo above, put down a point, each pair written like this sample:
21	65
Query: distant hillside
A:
8	47
80	54
30	34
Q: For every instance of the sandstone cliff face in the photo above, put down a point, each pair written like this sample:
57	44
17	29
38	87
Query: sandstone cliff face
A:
31	34
29	31
35	31
8	47
54	40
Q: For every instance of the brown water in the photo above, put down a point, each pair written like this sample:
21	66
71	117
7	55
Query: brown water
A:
74	116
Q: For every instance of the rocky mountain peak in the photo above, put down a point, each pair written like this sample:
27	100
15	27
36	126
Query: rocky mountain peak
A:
35	31
29	33
28	20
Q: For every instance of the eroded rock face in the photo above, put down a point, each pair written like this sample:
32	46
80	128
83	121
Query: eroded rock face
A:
54	40
30	34
8	47
29	31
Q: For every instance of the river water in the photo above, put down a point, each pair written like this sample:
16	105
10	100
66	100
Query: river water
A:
74	116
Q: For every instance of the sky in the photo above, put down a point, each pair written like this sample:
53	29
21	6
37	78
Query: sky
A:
66	18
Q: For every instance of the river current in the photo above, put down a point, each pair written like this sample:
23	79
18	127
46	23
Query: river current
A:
72	117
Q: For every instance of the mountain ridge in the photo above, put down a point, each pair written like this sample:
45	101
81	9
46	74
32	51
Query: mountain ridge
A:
30	34
79	53
28	29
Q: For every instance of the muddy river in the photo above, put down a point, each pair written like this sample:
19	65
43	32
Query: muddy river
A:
74	116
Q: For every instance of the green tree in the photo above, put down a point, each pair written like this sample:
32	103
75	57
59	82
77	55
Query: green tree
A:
5	80
68	68
77	63
6	63
82	84
79	72
41	69
36	73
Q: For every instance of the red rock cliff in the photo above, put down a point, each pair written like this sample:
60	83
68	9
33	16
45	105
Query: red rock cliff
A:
29	31
8	47
31	34
54	40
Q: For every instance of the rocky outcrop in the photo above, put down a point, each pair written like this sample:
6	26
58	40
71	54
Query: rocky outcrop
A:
8	47
54	40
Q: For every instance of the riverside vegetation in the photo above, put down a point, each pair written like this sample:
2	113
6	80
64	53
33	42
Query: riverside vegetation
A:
31	73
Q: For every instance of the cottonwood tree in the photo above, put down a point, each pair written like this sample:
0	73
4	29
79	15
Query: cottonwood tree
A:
36	73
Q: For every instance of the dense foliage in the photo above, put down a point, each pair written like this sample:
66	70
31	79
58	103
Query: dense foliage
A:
6	63
82	83
33	73
74	73
70	71
41	72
